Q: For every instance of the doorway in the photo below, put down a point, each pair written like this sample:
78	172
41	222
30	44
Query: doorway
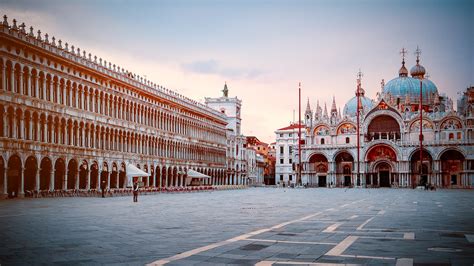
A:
322	181
384	178
347	181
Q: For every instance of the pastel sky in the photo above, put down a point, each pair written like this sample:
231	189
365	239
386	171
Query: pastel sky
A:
262	49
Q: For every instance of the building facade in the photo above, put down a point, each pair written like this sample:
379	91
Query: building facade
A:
236	142
286	147
69	120
389	135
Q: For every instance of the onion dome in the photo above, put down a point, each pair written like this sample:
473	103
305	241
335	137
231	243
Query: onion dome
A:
418	71
350	109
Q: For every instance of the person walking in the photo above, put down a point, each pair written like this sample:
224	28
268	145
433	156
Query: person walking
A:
135	191
103	186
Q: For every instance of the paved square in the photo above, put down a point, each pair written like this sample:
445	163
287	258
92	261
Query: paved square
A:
261	226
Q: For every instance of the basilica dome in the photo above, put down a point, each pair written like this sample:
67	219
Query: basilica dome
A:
350	109
404	86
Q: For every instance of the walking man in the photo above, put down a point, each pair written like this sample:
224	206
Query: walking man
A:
135	191
103	186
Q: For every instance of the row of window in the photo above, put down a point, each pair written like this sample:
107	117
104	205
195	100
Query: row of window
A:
45	86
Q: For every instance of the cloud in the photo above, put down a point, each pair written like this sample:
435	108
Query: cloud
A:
213	67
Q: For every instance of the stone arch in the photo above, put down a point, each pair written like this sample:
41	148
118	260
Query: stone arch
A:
114	176
72	170
94	175
452	167
45	173
104	176
84	175
122	175
31	168
14	175
59	174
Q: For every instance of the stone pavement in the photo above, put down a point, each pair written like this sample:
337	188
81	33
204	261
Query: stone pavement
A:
262	226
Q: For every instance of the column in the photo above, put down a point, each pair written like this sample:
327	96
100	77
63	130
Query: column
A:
28	84
3	86
37	178
36	86
51	179
22	182
88	173
12	78
5	181
22	127
20	85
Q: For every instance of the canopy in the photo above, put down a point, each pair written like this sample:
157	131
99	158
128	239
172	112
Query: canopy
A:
133	171
196	174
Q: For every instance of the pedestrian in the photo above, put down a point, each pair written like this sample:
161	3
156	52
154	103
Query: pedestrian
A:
135	191
103	186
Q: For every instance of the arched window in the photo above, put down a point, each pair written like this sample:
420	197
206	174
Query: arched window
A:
322	141
347	140
451	136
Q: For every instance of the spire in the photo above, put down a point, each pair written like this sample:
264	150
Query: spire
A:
318	112
225	91
339	114
333	107
403	72
359	90
418	71
325	115
308	108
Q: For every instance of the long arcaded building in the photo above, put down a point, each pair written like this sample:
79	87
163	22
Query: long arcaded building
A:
70	120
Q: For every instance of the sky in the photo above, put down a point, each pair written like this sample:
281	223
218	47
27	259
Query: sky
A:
263	49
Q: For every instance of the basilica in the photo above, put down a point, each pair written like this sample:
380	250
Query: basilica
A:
376	142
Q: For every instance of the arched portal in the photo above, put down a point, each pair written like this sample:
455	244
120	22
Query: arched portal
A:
383	170
31	168
344	167
163	177
383	127
122	176
71	174
421	172
158	177
114	176
83	175
377	158
45	173
104	176
94	175
14	176
318	167
59	174
452	168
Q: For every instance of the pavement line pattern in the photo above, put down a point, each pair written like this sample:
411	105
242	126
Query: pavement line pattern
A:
290	242
269	262
238	238
366	257
404	262
410	236
353	217
342	246
331	228
366	222
234	239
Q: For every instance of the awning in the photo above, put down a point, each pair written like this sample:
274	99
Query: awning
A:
133	171
196	174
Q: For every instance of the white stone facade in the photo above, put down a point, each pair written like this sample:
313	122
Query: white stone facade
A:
69	120
389	138
286	147
236	152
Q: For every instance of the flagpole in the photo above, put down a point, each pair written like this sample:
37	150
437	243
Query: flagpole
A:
299	135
